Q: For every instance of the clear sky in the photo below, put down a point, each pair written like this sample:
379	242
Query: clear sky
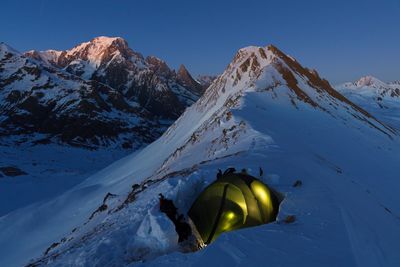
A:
342	39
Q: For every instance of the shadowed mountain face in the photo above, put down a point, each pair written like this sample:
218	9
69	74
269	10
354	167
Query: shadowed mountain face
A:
100	93
148	81
186	79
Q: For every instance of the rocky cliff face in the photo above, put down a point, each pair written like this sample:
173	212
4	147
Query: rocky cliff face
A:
186	79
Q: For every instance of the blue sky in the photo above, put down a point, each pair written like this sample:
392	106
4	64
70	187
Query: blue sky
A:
341	39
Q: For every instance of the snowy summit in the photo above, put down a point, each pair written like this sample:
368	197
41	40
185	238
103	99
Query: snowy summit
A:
378	97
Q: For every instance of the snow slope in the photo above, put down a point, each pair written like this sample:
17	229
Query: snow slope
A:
266	111
49	169
380	98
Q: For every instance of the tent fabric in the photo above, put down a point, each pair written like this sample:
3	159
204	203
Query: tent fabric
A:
234	201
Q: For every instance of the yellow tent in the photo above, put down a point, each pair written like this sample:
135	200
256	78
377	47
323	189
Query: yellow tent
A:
233	201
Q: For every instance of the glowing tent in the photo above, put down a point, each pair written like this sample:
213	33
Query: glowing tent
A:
233	201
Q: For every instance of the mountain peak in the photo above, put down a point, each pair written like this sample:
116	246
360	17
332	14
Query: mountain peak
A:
257	57
250	62
185	78
3	46
97	46
368	81
182	70
159	66
268	69
365	83
108	41
155	60
268	51
6	48
371	89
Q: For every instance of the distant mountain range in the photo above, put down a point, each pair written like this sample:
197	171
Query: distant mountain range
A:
103	93
373	88
379	98
99	93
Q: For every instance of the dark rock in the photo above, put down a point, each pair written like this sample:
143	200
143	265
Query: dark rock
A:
298	183
290	219
182	228
12	171
186	80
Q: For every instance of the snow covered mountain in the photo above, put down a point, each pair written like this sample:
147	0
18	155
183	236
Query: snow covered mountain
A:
147	81
379	98
55	105
40	103
98	93
265	111
374	88
42	106
206	80
394	83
